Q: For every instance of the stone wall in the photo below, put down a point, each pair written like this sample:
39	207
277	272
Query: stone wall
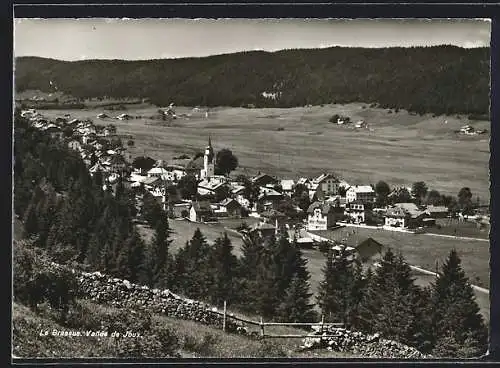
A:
369	346
121	293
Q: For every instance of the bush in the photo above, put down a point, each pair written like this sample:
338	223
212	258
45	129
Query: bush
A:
130	143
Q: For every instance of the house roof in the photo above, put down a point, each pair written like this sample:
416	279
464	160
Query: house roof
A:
268	192
202	206
260	177
362	189
151	180
262	226
403	210
432	208
157	170
195	164
325	207
325	176
228	201
272	214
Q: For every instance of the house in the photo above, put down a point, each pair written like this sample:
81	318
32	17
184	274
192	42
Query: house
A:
356	211
272	216
360	124
264	180
262	230
320	216
231	207
287	185
363	193
53	130
369	250
124	117
152	182
117	163
74	145
158	172
404	215
102	116
88	137
437	211
178	210
60	120
268	199
97	167
212	186
201	212
327	183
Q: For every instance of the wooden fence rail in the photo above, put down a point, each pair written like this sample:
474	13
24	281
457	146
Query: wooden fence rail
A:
263	324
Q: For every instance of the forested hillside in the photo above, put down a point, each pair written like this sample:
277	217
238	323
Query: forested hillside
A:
441	79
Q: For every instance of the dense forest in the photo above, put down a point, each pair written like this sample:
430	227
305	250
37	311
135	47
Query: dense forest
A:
441	79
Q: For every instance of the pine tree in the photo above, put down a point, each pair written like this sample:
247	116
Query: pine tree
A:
456	314
224	264
335	289
266	287
296	305
160	258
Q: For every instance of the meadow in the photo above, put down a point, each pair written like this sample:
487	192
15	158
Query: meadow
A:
398	147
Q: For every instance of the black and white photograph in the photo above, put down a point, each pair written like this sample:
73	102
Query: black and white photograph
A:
251	188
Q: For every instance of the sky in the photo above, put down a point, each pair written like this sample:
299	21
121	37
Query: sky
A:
136	39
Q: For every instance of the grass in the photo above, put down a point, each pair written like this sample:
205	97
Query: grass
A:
399	148
189	339
455	227
425	250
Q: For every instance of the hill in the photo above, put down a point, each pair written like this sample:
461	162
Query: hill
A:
441	79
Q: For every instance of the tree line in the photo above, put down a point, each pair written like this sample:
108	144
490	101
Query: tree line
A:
438	79
67	213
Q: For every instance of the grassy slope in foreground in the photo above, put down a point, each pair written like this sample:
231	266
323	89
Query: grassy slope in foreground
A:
192	340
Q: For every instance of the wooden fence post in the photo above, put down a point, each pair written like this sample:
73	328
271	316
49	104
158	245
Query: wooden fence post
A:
224	318
321	328
261	327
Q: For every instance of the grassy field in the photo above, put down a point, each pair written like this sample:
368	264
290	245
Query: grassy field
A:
400	148
455	227
194	340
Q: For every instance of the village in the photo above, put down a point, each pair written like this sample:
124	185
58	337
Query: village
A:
320	205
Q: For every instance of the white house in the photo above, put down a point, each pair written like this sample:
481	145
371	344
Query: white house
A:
320	216
363	193
356	211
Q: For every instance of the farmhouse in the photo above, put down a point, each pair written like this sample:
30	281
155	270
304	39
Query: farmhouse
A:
264	180
231	207
437	211
158	172
268	199
201	212
124	117
320	216
178	210
262	230
362	193
327	183
369	250
404	215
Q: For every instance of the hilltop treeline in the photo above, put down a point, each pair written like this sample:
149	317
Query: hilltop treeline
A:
441	79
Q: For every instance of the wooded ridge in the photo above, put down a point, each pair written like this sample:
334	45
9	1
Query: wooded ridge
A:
440	79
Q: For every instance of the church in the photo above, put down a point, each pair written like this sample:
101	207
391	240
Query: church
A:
208	170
